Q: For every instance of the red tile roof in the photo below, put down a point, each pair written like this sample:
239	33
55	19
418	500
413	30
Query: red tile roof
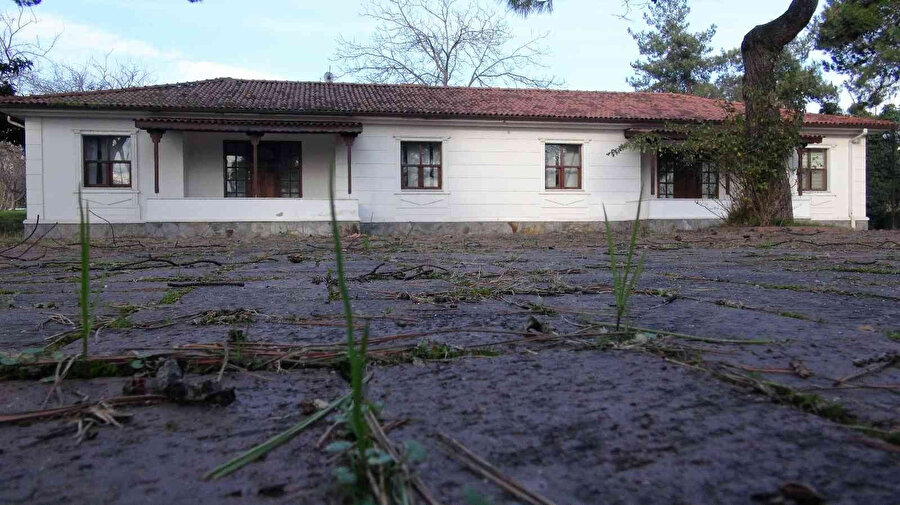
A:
319	98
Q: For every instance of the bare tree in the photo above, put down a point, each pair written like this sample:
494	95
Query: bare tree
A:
443	43
12	176
91	75
17	56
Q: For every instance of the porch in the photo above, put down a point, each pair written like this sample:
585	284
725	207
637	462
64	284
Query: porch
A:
248	170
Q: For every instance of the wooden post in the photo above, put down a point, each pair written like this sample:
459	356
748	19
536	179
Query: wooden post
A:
156	136
348	139
254	142
653	155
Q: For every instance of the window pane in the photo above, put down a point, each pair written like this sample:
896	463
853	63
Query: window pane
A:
552	154
550	177
411	177
119	148
430	177
91	148
817	179
435	153
571	178
430	154
412	154
816	160
572	155
94	174
121	174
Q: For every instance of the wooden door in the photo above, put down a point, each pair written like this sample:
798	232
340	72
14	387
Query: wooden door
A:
688	182
269	184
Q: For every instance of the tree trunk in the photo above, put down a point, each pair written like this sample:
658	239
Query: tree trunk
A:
760	49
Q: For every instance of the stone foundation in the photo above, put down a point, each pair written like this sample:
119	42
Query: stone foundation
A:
530	227
196	230
322	228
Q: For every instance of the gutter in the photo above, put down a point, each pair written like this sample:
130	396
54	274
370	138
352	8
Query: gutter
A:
13	122
854	140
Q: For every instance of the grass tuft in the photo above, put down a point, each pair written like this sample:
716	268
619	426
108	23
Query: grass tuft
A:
84	287
625	278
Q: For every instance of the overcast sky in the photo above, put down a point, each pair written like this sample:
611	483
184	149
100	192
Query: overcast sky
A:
295	39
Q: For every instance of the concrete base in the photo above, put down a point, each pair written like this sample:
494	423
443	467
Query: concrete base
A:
530	227
195	230
323	228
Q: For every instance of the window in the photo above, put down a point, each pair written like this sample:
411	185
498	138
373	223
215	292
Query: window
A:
813	170
277	163
562	166
107	161
709	179
675	179
238	166
420	165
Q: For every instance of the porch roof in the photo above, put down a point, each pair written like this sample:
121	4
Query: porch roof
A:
248	125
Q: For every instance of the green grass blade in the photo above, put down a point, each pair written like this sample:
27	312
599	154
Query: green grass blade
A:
84	288
263	448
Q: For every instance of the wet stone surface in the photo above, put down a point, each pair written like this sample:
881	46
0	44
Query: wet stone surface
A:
573	414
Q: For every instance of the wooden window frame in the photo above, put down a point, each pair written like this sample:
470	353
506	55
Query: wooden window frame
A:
225	179
665	190
561	167
422	166
713	171
106	164
249	181
805	172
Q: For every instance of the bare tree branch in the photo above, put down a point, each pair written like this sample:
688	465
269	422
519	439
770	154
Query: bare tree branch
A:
91	75
443	43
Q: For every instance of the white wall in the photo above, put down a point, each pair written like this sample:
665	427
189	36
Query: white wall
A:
54	170
834	203
492	172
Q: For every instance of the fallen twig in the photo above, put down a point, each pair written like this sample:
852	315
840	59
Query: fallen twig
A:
36	415
381	437
478	465
194	284
264	448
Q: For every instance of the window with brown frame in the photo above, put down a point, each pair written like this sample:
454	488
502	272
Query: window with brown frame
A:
107	161
562	166
814	170
420	165
675	179
278	165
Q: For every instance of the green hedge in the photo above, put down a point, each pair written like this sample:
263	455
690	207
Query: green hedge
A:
11	221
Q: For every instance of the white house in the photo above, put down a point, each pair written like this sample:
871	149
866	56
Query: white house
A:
226	156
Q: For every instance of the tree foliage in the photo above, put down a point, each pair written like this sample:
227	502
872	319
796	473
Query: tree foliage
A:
883	174
799	79
862	37
442	43
676	60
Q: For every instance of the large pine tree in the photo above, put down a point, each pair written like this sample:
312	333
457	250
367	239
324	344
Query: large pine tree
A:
862	37
675	59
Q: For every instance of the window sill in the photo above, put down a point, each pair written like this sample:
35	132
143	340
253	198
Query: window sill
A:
554	192
110	189
813	192
422	192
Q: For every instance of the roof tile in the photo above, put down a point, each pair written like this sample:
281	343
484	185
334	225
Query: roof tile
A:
320	98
